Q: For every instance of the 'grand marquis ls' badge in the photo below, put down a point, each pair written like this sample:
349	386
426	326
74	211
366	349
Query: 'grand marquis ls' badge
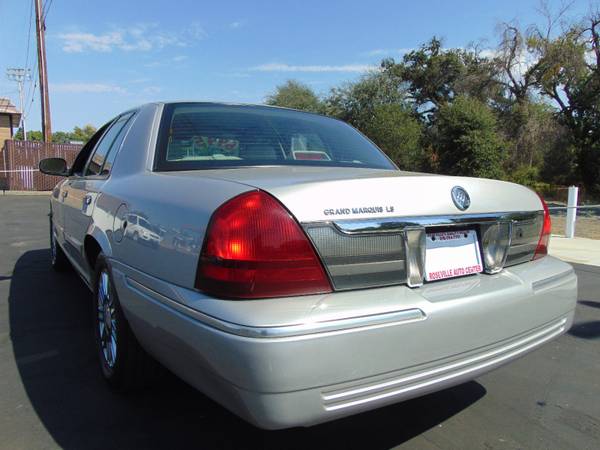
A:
461	198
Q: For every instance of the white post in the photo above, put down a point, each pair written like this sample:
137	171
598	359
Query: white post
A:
571	212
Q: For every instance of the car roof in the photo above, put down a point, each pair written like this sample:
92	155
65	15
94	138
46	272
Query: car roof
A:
248	105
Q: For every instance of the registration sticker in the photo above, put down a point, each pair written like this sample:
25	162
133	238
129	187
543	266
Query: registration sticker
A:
452	254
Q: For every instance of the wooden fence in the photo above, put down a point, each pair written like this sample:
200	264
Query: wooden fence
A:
19	164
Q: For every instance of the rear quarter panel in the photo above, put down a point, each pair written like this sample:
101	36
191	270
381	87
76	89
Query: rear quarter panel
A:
175	212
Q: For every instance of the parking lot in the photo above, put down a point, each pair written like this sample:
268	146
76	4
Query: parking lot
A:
52	395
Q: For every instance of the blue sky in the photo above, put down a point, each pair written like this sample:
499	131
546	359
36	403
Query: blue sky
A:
107	56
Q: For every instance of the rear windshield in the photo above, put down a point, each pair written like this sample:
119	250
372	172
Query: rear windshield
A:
203	136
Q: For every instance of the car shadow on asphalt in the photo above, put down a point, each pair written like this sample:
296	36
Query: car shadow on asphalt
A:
50	326
589	303
586	330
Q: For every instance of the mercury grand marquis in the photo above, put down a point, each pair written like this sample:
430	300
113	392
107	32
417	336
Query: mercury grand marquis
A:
280	263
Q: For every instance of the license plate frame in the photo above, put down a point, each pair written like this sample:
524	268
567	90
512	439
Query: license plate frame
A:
452	254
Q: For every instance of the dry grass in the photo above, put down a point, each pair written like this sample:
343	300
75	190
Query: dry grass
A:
586	227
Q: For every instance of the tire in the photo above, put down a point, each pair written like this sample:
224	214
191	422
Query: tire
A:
124	364
58	259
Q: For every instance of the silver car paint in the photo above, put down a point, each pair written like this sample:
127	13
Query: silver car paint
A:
276	380
309	191
258	378
173	200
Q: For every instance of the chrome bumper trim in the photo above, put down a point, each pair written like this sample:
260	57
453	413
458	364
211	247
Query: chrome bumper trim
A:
551	281
308	328
443	373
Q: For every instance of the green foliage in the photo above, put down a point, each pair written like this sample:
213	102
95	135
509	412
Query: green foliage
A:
376	105
525	175
531	131
82	134
567	71
559	166
398	134
31	135
356	102
60	137
589	164
467	140
294	94
434	76
529	176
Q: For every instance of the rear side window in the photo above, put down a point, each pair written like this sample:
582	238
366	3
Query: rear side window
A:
101	161
202	136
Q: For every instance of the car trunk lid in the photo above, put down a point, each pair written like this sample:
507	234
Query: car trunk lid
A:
324	194
370	226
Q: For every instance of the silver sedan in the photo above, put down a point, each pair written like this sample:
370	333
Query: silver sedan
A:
279	262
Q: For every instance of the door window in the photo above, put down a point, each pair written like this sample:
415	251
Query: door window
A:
109	143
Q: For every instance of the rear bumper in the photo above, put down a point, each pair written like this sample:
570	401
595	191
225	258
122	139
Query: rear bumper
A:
297	362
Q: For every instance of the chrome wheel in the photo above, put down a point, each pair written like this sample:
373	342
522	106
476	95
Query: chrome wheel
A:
107	320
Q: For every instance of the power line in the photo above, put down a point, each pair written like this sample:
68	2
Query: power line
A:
29	34
32	82
31	92
20	75
32	100
47	5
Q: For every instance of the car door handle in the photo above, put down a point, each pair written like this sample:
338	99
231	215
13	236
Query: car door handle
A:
87	201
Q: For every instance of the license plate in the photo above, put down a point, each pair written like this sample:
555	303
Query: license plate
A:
452	254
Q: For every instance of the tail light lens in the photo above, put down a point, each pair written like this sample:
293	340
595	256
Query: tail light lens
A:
254	248
542	247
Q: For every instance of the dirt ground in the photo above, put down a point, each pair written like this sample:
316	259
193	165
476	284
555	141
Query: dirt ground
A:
587	227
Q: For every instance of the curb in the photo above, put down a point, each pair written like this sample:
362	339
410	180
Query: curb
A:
26	193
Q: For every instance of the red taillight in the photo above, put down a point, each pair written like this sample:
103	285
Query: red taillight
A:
542	247
254	248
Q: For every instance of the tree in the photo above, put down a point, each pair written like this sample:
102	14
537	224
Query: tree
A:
31	135
530	130
394	129
466	140
376	105
294	94
61	137
514	73
356	102
82	134
434	76
568	73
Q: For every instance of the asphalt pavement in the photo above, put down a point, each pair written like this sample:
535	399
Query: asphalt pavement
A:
52	395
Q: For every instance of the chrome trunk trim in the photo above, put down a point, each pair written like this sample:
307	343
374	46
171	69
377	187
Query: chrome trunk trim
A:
415	245
397	224
495	242
506	238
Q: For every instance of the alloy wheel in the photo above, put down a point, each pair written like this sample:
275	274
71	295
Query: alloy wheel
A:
107	320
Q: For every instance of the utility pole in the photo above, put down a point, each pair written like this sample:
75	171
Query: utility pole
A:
20	76
40	29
